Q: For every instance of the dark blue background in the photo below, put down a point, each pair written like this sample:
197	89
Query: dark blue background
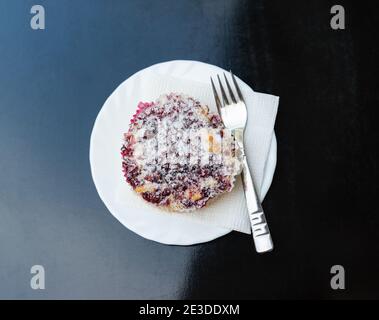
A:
321	207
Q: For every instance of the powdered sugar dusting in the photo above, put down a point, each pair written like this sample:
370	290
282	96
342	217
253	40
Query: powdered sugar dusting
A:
178	155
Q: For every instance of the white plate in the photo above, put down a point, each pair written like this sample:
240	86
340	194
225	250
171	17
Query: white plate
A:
106	172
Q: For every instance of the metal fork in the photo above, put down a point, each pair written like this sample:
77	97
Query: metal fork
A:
234	116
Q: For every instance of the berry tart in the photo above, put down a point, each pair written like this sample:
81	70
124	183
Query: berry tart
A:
178	155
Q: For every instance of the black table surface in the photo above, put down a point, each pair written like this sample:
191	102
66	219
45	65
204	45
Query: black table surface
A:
322	205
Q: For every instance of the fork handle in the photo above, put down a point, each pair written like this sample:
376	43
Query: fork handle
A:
261	233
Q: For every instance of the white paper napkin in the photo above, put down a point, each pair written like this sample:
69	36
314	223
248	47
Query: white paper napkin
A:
230	210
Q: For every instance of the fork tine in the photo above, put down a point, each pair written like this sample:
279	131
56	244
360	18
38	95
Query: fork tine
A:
217	99
237	87
224	97
231	94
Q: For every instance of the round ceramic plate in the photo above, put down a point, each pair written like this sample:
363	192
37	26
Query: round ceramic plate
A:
106	171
